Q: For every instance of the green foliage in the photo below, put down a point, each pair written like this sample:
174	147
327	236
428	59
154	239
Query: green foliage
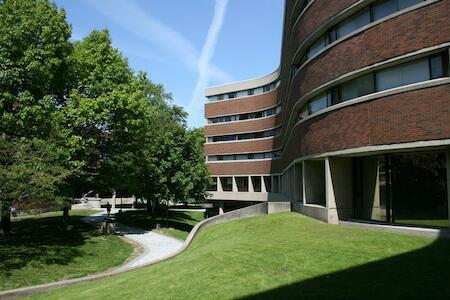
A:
30	172
80	109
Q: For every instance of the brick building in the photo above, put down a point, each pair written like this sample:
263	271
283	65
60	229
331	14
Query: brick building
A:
354	124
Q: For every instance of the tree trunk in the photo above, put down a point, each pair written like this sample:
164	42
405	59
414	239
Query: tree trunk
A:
66	214
5	222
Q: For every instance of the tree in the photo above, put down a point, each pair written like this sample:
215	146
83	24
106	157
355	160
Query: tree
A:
30	172
34	46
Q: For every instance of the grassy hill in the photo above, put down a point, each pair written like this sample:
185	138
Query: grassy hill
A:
285	256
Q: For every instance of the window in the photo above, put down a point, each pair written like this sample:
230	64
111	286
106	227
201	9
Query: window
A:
403	75
352	24
356	88
242	184
266	88
372	13
256	182
219	97
319	103
268	183
383	9
251	92
420	70
244	156
316	47
231	95
227	184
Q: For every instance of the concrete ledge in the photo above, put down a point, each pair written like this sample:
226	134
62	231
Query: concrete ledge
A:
247	212
417	231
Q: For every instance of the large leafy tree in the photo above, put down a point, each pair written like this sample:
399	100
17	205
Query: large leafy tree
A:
75	117
34	46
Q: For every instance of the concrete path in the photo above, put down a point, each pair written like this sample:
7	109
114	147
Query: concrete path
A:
155	245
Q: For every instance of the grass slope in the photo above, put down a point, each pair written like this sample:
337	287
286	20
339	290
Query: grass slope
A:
286	256
44	250
178	225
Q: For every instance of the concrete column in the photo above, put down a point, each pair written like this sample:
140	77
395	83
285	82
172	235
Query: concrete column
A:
235	188
263	185
329	191
330	197
448	180
251	189
221	212
219	185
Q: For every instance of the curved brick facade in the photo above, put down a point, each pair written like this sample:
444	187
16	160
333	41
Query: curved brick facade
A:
413	117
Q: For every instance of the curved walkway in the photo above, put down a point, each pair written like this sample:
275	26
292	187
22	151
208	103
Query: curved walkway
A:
155	245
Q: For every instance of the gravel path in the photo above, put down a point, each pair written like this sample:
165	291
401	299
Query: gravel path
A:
155	245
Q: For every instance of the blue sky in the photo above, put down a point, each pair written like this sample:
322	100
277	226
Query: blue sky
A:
187	45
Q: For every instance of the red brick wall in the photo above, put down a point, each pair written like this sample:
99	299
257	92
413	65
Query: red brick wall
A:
420	115
265	145
318	13
240	168
238	106
244	126
409	32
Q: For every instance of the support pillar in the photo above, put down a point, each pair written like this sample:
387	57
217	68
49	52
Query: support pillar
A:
329	194
219	185
221	208
251	189
235	188
263	185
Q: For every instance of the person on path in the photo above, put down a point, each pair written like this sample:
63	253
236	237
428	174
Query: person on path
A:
108	209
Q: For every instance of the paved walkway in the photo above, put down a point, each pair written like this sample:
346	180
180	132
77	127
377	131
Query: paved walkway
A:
155	245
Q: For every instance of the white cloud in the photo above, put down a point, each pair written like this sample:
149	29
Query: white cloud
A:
205	70
137	22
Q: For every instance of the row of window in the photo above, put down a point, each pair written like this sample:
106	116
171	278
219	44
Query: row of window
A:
249	92
372	13
242	183
420	70
246	156
247	116
244	136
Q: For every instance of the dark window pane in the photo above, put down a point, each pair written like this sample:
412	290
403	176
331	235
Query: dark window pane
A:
402	4
353	23
437	66
318	103
356	88
405	74
268	183
227	183
256	181
384	9
242	184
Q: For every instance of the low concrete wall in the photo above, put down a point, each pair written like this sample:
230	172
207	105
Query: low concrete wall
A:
247	212
311	210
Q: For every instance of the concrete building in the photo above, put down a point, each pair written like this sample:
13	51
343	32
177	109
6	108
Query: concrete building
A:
354	124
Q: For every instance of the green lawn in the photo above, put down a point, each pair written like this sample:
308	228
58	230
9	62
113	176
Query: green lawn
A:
43	250
178	225
286	256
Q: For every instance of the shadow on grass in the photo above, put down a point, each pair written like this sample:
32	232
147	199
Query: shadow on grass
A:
178	220
420	274
43	241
